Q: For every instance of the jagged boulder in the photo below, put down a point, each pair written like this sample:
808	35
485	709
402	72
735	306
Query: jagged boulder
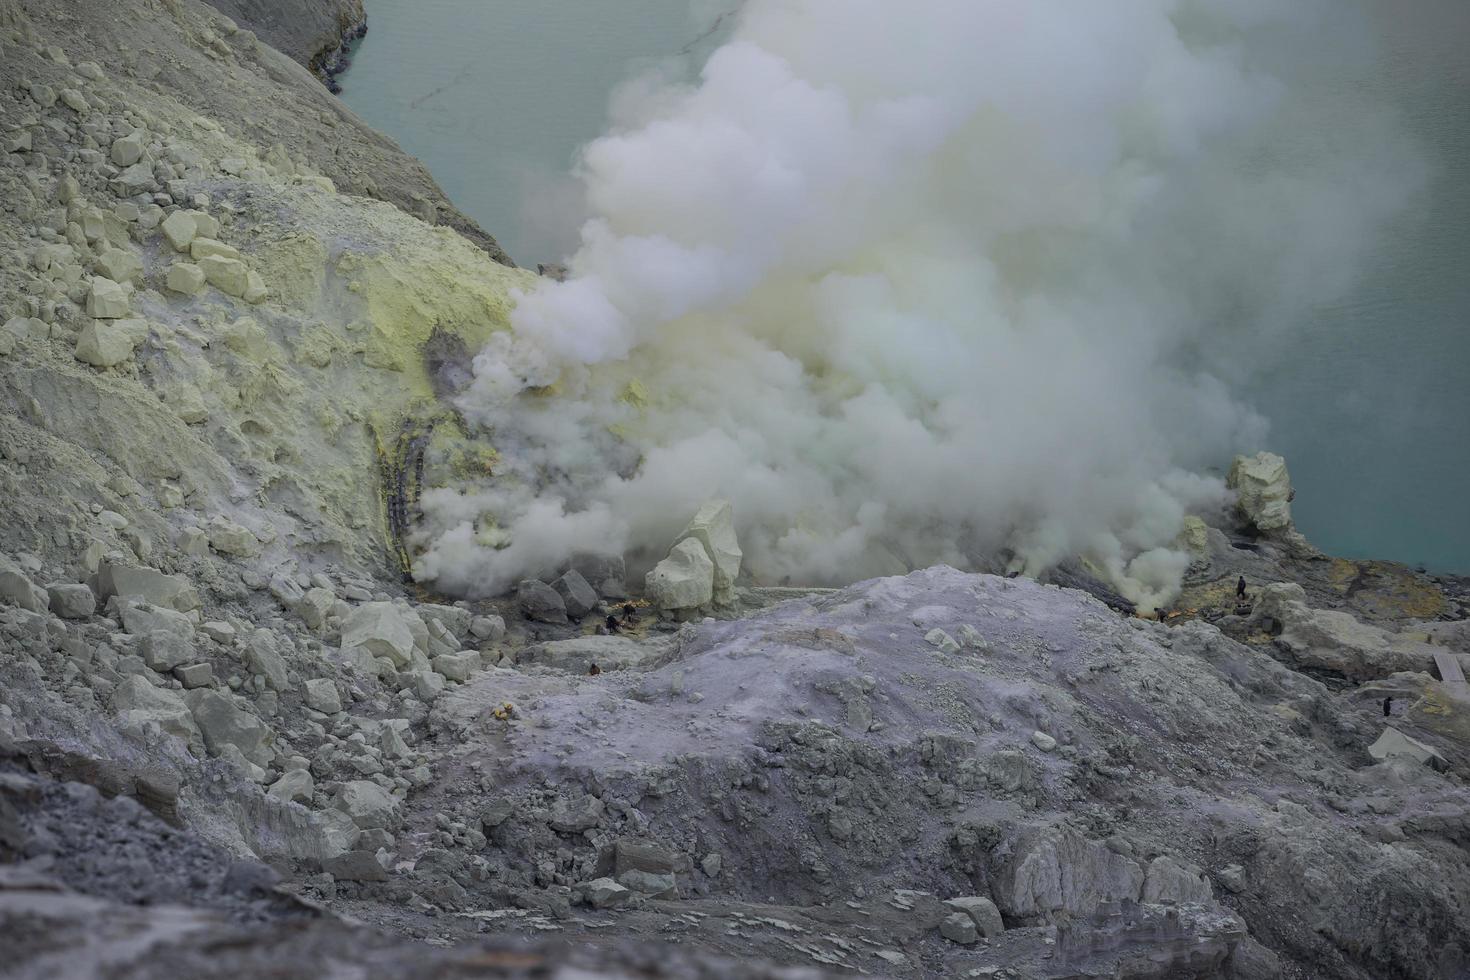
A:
108	343
713	526
16	587
147	584
138	702
1394	744
1262	490
263	657
71	600
223	722
540	602
578	597
141	618
382	630
685	580
368	804
321	695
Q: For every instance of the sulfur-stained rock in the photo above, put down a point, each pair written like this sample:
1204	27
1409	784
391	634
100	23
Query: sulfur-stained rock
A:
127	150
315	606
255	289
185	278
229	538
106	299
179	229
228	275
1263	490
120	264
202	247
108	343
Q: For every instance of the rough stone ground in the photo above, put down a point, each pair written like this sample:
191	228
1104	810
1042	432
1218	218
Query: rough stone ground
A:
225	723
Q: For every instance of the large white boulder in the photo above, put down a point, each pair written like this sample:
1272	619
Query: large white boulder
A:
1262	490
713	526
1394	744
381	630
683	581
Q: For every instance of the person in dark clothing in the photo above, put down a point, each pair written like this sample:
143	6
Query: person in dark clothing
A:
613	626
594	670
1388	706
1240	587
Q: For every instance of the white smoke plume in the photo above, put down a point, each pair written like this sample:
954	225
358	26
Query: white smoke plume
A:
930	281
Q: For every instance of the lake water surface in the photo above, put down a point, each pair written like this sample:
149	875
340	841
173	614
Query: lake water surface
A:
1370	402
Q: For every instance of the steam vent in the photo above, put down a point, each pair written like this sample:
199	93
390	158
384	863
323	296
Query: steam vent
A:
866	545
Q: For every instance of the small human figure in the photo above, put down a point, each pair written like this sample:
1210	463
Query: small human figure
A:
1240	587
613	626
1388	706
594	670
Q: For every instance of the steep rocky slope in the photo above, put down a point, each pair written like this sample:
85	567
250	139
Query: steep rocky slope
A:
226	373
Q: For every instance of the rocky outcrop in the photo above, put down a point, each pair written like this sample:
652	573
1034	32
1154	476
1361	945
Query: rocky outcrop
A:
1333	640
303	30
